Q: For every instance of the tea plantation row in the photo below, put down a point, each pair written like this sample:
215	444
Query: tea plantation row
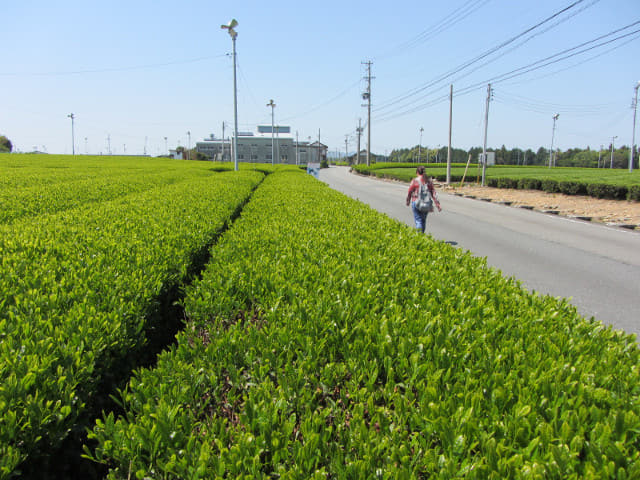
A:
598	183
82	286
325	340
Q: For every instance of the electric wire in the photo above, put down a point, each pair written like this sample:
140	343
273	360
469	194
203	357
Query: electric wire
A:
323	104
578	63
408	95
448	21
521	71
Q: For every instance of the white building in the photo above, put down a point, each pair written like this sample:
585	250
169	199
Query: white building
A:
256	147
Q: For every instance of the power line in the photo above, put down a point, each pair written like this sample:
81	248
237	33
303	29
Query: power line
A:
407	96
323	104
448	21
519	71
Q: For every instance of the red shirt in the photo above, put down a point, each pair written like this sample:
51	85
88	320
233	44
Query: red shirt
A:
414	188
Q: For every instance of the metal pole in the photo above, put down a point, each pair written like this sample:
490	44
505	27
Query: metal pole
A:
368	98
484	145
600	155
633	136
346	148
235	107
222	160
278	144
450	124
359	130
273	151
553	132
420	146
73	141
612	139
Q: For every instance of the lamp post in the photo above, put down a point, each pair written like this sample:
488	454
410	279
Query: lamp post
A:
612	140
633	136
553	133
73	142
272	105
420	146
233	34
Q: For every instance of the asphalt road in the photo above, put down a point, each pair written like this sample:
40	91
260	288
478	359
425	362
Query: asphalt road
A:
595	266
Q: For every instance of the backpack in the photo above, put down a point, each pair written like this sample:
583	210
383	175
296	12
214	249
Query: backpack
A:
424	204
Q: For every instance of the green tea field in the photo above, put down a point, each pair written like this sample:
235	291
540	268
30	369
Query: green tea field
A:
304	340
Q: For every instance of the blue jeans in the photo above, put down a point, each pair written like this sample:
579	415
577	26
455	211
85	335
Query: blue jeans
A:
419	217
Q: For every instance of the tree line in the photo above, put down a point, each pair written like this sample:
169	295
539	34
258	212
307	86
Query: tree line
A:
573	157
5	144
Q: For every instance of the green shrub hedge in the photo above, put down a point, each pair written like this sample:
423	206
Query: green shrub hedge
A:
76	292
325	340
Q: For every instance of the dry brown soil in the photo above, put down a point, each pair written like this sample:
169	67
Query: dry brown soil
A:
616	212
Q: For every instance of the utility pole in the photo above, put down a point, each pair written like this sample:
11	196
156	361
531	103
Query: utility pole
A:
553	133
359	132
367	96
86	148
166	147
73	142
273	151
420	146
346	147
612	139
600	155
222	142
109	144
297	151
278	144
189	146
450	124
633	136
484	145
145	145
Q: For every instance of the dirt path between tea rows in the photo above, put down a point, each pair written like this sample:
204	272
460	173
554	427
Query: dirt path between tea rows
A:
613	212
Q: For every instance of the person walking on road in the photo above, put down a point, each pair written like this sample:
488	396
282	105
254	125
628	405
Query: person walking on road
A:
421	196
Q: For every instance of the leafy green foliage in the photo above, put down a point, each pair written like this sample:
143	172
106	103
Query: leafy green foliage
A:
79	284
327	340
600	183
5	144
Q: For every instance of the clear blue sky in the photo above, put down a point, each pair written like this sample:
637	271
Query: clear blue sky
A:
155	69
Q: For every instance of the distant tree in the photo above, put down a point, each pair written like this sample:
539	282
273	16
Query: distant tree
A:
5	144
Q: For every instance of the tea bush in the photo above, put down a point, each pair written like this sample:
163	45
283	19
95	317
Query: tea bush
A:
326	340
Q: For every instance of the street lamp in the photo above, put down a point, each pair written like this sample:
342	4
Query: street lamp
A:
73	142
553	133
272	105
233	34
612	139
633	136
